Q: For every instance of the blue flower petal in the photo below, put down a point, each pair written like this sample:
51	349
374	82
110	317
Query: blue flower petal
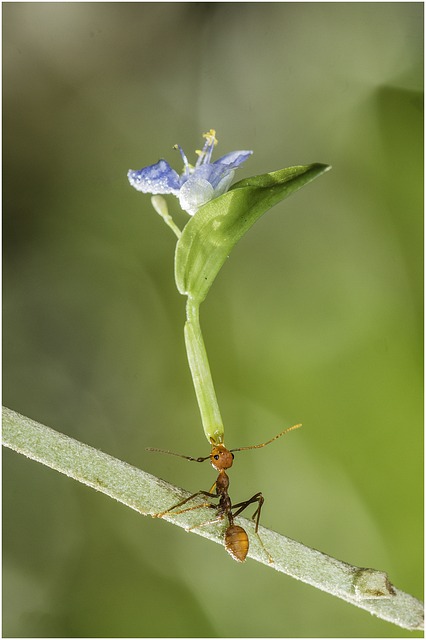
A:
213	173
157	178
234	159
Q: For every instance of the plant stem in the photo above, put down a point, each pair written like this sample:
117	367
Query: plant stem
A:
365	588
201	375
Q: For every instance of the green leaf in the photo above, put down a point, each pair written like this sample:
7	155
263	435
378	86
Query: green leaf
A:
209	236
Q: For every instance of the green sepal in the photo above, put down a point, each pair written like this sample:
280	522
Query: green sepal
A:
209	236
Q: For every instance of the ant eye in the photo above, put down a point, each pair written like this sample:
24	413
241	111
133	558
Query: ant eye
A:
216	457
232	455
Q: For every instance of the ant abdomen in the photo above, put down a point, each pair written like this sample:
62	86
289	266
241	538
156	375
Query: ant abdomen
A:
236	542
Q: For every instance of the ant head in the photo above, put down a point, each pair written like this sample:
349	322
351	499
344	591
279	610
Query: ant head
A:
220	457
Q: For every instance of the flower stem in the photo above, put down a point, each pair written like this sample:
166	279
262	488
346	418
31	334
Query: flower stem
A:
201	375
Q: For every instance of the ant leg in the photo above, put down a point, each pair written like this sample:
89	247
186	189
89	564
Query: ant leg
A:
256	514
258	497
207	522
180	504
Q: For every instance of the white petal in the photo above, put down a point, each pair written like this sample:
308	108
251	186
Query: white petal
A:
194	193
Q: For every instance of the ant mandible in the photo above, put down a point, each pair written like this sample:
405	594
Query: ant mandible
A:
236	538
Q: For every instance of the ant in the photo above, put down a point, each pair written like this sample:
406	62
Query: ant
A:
236	538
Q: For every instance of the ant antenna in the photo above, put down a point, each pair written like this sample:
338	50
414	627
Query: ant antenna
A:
172	453
258	446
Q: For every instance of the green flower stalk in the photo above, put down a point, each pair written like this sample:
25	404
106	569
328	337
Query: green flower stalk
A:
201	376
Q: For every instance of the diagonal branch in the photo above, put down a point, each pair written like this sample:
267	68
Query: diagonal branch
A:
368	589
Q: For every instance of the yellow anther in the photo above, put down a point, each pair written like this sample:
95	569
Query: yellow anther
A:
210	136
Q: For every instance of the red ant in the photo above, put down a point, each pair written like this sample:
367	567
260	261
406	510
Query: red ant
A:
236	538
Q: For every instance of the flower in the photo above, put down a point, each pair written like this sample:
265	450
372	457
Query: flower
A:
198	184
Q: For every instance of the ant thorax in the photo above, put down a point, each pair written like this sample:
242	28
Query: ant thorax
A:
222	483
220	457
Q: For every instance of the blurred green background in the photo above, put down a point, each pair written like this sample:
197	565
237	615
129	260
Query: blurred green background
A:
317	317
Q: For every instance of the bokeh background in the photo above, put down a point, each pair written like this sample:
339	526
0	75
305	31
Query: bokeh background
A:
316	317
